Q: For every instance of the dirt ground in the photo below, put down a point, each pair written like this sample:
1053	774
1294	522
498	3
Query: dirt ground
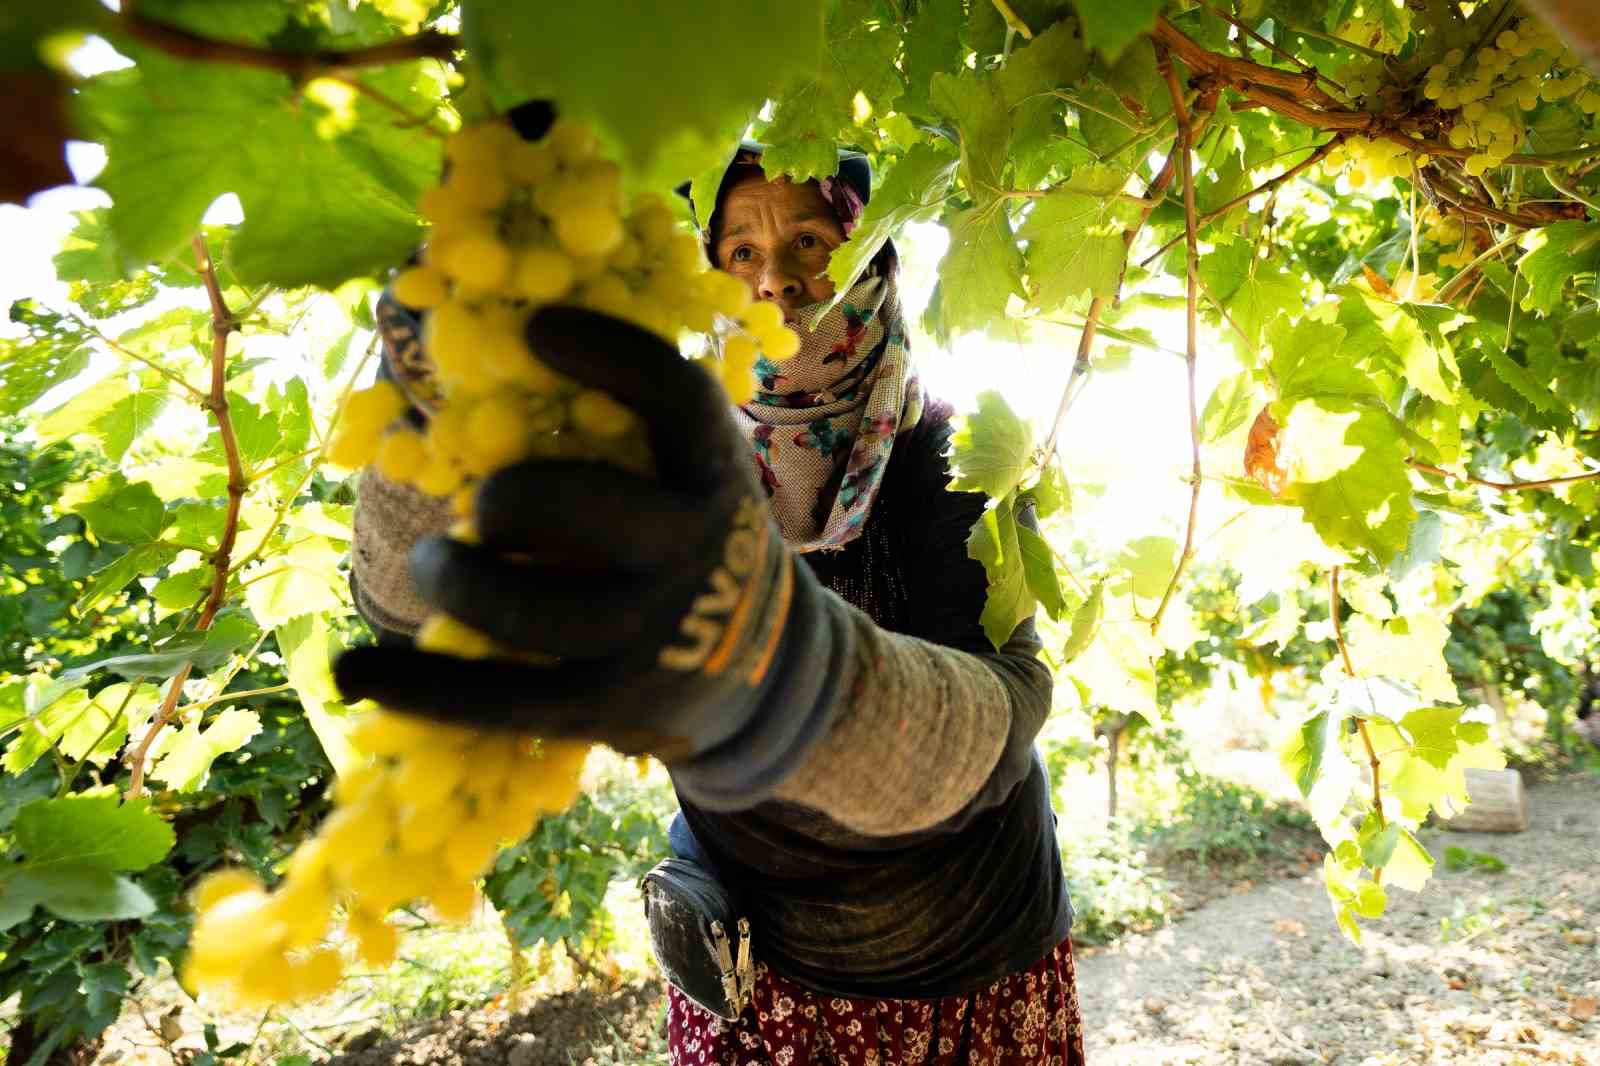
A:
1481	967
1490	968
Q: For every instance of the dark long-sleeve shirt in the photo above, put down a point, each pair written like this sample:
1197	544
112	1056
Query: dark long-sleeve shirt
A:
944	910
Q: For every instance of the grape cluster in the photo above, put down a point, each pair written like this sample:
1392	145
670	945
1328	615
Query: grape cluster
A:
1491	87
515	225
1481	78
420	821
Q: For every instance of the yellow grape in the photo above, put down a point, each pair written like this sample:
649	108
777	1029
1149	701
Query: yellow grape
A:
401	455
421	819
543	275
589	230
422	286
477	262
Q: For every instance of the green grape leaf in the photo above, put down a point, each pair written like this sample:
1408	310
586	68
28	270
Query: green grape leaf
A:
1109	26
975	105
94	830
1522	380
1075	243
1149	563
857	56
75	893
980	272
933	46
308	647
303	580
1569	249
1424	760
1228	408
1315	759
1409	648
111	579
990	449
1410	866
1055	58
91	252
1039	567
914	191
1307	360
993	542
32	366
552	51
1377	844
1050	493
354	182
126	514
1085	624
1346	468
207	650
187	756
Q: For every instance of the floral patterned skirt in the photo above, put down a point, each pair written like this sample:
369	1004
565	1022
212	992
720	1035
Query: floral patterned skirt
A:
1027	1017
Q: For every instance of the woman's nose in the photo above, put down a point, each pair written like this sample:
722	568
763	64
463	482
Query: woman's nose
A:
777	281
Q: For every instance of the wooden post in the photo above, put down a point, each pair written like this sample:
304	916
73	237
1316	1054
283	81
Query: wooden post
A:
1499	803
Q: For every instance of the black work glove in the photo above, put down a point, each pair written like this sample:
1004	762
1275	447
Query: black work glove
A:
668	602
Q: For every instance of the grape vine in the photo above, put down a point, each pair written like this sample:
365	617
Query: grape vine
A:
1377	227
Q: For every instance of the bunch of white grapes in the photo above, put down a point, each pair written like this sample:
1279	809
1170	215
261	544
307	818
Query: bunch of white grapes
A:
1489	89
1482	87
515	225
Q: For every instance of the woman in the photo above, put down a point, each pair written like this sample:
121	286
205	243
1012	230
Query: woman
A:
788	618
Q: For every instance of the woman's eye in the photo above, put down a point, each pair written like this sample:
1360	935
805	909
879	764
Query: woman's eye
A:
742	254
806	242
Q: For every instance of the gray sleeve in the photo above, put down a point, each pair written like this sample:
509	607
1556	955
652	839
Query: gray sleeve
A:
389	519
921	731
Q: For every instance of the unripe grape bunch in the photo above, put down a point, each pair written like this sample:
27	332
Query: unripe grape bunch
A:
515	225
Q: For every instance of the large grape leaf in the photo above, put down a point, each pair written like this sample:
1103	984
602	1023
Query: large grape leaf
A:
1251	290
94	829
675	89
990	449
1424	759
1074	236
857	54
993	542
328	194
1346	467
308	647
1055	58
977	107
1309	359
125	513
914	191
980	272
1569	249
187	754
1409	648
76	849
933	46
55	350
302	580
1111	25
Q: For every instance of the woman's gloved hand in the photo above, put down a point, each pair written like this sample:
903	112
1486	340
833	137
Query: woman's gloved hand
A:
665	601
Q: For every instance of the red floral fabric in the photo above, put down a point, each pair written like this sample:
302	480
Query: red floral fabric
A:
1029	1017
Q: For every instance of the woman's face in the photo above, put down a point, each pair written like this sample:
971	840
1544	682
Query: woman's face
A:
776	237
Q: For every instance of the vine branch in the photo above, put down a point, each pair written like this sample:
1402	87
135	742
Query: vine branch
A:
1153	195
301	65
1361	726
1267	186
1192	305
1505	486
223	323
